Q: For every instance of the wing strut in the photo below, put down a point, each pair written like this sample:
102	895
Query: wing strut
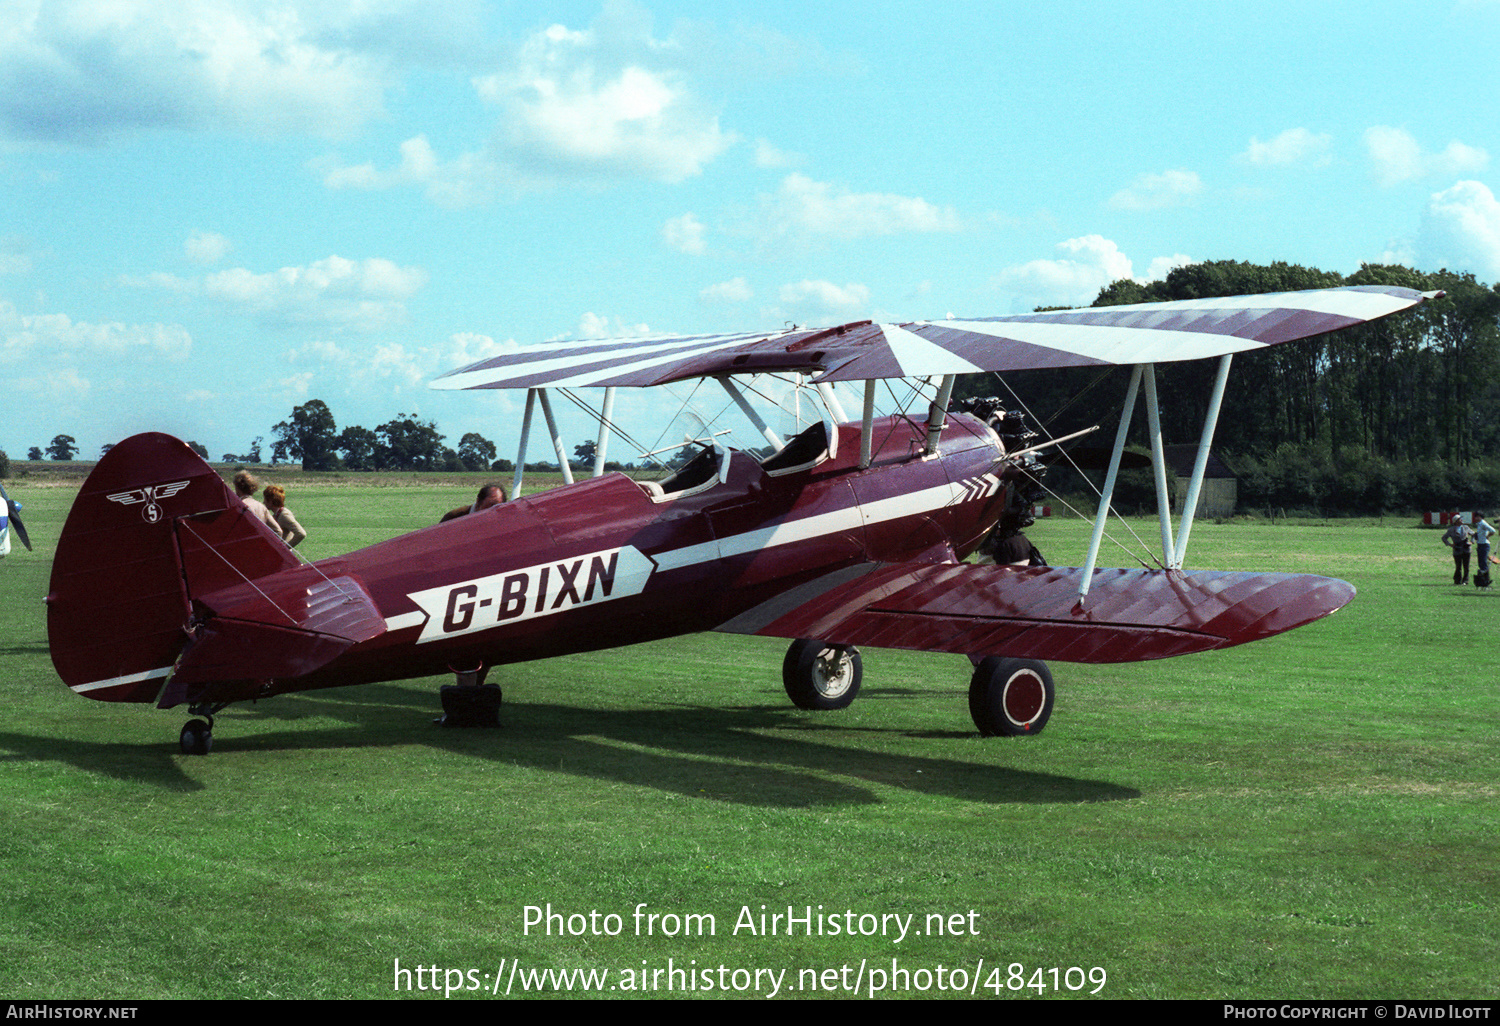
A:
1159	465
937	414
751	413
1106	494
605	418
515	487
557	442
1173	554
867	424
1200	464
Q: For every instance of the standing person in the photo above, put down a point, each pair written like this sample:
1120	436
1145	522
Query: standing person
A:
245	486
1482	533
1458	537
291	531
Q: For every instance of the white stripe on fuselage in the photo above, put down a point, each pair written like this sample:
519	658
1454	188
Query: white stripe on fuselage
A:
788	533
793	531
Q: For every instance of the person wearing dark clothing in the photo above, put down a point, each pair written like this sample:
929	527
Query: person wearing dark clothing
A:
1459	538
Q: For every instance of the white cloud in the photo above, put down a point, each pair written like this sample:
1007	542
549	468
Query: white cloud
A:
1160	267
361	294
26	336
769	156
1091	262
401	368
1155	192
467	180
1295	146
601	104
594	106
16	256
808	210
735	290
83	70
685	234
1461	231
810	301
592	325
61	385
1396	157
206	247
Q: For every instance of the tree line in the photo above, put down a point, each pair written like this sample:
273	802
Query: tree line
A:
1401	414
310	436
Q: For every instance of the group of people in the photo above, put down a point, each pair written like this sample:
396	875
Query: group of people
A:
1460	537
272	512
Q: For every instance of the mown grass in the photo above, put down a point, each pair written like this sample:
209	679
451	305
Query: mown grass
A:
1309	817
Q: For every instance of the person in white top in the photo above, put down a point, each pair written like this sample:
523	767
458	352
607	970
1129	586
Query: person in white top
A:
291	531
245	486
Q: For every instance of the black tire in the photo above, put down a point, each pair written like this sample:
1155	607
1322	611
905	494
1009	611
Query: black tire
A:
821	676
1011	697
197	738
470	705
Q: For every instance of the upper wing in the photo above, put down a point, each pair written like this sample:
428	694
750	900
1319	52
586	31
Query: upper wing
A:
1035	612
1145	333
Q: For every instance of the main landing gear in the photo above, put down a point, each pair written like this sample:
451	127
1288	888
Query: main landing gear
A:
470	702
818	675
1007	697
1010	697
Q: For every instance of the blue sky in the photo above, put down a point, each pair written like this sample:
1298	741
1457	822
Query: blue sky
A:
212	211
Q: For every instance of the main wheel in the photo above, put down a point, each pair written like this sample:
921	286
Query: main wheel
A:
821	676
1010	697
470	705
197	738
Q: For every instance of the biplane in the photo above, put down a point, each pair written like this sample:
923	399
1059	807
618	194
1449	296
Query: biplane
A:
853	532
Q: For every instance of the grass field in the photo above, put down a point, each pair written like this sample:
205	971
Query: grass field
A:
1314	816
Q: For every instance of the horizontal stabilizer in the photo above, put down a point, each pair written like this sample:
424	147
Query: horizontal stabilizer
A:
1036	613
282	626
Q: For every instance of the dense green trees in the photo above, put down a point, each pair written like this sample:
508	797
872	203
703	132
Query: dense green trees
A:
63	447
402	443
309	437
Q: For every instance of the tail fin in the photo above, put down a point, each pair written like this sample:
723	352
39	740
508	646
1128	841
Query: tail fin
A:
152	525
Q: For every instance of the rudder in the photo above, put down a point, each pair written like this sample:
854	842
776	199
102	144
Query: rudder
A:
152	524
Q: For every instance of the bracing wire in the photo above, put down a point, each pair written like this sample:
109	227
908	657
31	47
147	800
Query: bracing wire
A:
1150	552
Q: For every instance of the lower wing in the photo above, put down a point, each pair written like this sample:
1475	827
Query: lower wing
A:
1036	612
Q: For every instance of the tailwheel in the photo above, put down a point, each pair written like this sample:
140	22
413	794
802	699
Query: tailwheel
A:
197	737
818	675
1010	697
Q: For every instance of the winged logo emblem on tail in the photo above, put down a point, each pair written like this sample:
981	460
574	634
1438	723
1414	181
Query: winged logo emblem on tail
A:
149	495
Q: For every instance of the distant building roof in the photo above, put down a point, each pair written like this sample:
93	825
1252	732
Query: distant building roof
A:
1181	458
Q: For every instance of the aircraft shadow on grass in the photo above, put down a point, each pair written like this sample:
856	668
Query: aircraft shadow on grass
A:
745	755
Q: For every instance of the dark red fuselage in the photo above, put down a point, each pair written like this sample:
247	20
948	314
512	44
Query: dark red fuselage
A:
596	564
704	557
